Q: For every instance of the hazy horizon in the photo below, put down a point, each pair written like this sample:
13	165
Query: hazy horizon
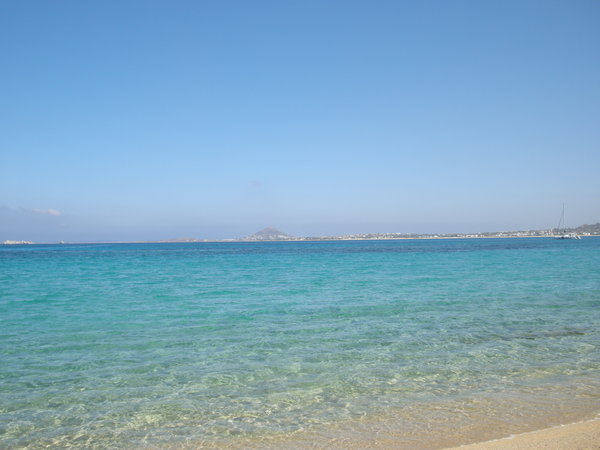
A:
155	120
231	232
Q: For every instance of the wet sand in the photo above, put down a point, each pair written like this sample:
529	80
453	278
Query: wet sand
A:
584	435
575	436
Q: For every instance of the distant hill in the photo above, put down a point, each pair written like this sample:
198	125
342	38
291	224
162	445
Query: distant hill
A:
591	229
268	234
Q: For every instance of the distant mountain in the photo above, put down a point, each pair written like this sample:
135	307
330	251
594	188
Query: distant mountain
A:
268	234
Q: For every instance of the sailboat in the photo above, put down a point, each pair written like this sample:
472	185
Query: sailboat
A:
561	230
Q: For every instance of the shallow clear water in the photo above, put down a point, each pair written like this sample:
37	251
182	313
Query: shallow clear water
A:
161	344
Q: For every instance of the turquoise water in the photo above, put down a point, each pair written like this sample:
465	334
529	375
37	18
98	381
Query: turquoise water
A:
134	345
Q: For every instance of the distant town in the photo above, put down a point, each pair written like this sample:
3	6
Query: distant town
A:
272	234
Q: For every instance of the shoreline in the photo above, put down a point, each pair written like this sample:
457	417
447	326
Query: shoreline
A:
444	426
584	434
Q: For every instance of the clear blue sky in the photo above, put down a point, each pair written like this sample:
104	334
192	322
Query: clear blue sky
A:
126	120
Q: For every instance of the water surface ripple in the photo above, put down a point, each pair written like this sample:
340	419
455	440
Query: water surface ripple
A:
127	345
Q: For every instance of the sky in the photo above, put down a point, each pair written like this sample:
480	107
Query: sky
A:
142	120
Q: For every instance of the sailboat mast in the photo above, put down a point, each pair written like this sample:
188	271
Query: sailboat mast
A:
562	228
561	221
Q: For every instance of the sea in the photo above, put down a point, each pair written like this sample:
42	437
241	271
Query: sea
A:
332	344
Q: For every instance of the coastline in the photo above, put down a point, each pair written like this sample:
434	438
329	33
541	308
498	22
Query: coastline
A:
578	435
478	424
309	240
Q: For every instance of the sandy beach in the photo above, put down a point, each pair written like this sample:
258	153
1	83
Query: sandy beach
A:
575	436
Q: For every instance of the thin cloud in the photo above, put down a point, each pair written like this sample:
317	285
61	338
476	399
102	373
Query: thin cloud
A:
49	211
34	224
